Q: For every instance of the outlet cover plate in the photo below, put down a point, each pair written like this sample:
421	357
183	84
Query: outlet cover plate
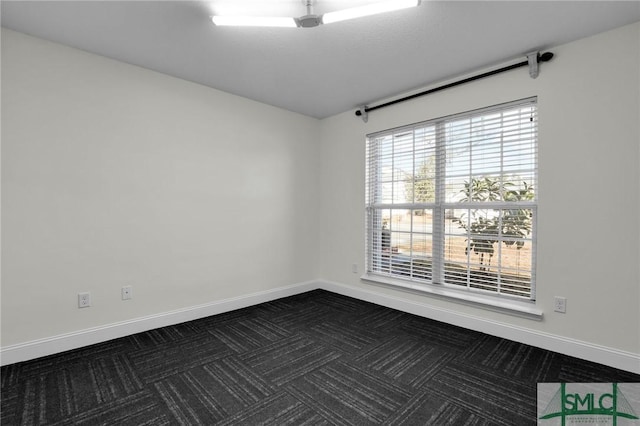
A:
560	304
84	300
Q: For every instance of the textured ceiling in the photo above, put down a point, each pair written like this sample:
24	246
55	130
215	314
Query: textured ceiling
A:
318	71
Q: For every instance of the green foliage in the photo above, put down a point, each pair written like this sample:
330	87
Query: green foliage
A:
484	229
485	189
421	187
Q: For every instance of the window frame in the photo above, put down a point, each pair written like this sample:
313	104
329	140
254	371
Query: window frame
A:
438	286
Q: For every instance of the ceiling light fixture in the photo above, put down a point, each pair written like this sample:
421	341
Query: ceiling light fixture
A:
312	20
254	21
368	10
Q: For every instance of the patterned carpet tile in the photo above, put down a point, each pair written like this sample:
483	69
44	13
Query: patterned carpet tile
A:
11	374
15	373
508	401
320	306
235	379
170	358
211	393
349	395
426	408
300	319
289	358
511	358
139	409
407	360
9	410
383	319
341	303
189	400
164	335
280	409
346	339
74	387
450	337
578	371
247	334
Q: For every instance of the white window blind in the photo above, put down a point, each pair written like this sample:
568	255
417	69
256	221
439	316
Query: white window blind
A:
453	201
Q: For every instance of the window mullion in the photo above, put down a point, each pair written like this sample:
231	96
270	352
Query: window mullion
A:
411	211
501	211
438	212
499	256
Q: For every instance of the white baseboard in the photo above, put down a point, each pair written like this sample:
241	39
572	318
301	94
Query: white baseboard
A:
603	355
64	342
608	356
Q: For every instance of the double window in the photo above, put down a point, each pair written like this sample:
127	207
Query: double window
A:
452	201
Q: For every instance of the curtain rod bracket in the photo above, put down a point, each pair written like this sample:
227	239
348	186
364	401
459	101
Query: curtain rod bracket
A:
362	112
533	58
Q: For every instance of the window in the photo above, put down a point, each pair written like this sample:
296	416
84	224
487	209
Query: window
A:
452	202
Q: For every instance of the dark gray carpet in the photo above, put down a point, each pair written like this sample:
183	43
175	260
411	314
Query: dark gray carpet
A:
317	358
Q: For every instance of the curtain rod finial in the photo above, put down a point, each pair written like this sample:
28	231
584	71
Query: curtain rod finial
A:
545	57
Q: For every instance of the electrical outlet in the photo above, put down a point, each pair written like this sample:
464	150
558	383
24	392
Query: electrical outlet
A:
354	268
560	304
127	292
84	300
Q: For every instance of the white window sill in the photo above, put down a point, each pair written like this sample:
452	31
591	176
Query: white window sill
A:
524	309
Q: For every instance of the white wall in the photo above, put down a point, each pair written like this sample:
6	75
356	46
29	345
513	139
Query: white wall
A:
589	186
115	175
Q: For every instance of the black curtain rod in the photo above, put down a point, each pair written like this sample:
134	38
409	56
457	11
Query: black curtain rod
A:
545	57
